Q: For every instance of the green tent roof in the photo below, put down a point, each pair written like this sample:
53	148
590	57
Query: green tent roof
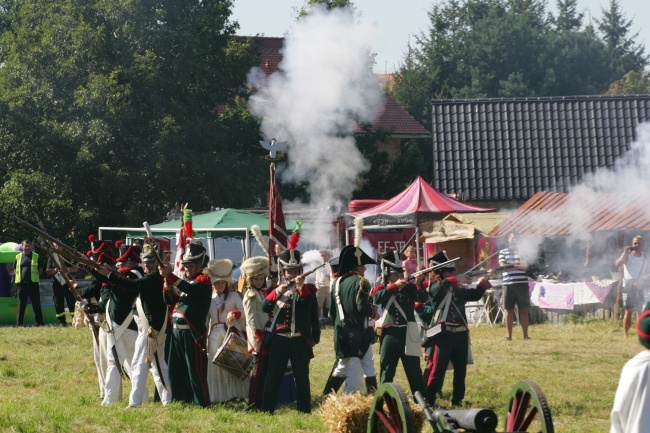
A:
224	222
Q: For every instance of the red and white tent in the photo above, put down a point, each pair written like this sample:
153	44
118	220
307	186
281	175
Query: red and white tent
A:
417	204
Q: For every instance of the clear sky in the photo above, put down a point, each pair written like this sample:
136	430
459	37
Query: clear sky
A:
397	21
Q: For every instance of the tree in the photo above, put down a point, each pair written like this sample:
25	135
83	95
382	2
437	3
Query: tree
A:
125	107
510	48
624	53
568	18
631	83
325	4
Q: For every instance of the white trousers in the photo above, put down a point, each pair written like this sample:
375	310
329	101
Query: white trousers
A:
140	368
344	367
99	356
124	347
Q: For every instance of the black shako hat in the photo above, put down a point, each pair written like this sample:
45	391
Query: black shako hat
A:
351	257
391	263
289	259
195	253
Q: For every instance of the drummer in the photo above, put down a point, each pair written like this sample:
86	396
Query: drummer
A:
225	311
256	270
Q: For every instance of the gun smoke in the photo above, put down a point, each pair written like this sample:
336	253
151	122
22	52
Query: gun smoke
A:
324	88
613	189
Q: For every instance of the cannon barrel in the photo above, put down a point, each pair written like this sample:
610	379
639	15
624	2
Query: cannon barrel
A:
471	420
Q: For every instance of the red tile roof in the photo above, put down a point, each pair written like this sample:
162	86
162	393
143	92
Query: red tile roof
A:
546	213
399	121
394	117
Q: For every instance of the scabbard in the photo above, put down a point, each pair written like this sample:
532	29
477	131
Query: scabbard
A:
117	361
157	361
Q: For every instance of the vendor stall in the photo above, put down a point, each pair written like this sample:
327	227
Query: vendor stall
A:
574	244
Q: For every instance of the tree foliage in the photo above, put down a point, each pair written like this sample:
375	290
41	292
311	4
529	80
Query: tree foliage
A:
512	48
624	54
121	109
632	83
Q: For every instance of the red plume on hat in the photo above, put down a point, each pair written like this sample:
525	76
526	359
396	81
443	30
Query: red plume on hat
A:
295	236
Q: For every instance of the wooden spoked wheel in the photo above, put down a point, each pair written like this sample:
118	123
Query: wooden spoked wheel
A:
390	408
528	409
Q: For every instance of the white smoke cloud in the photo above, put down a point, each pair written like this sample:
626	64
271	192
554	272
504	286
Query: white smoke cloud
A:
325	86
606	189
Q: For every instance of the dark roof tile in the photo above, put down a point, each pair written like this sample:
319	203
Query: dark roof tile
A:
520	146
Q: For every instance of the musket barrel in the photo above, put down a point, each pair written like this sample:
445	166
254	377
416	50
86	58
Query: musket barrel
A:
433	268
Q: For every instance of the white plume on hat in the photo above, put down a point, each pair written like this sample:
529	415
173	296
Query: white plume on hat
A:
220	270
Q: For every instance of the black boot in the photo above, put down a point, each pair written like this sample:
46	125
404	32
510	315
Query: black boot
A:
333	384
371	384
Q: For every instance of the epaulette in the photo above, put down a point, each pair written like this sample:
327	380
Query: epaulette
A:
203	279
250	293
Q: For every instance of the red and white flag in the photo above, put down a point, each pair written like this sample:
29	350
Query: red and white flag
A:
277	227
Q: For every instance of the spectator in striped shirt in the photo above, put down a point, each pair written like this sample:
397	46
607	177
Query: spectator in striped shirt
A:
515	287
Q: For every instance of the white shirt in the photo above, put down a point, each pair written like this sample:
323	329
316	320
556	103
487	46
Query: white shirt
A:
631	411
634	269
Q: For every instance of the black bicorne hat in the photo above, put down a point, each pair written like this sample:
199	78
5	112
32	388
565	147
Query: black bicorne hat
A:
351	257
438	258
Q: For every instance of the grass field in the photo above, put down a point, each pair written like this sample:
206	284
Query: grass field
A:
48	382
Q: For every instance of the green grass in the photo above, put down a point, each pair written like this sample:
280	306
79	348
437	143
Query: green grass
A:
48	382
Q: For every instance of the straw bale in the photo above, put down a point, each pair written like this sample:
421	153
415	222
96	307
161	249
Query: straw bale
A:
348	413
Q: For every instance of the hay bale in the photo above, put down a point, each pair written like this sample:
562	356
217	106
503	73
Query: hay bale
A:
348	413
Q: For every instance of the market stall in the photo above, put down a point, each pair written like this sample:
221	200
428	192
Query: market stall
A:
417	204
577	243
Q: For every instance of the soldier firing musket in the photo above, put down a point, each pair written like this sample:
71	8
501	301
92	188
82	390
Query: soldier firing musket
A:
432	268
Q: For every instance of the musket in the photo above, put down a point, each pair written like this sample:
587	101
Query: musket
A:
409	242
69	279
479	272
80	259
292	281
45	235
482	261
432	268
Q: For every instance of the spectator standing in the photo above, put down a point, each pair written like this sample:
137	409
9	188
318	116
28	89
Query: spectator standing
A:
634	269
323	280
27	278
410	264
515	287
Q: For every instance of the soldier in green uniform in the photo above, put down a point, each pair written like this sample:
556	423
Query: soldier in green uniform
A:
121	329
150	315
448	295
290	332
188	359
351	308
397	297
101	252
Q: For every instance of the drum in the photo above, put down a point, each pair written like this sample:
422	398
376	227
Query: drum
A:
233	356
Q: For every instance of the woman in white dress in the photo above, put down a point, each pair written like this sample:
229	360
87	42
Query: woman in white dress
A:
256	269
225	310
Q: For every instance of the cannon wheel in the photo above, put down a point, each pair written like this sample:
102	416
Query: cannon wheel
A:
527	408
391	408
